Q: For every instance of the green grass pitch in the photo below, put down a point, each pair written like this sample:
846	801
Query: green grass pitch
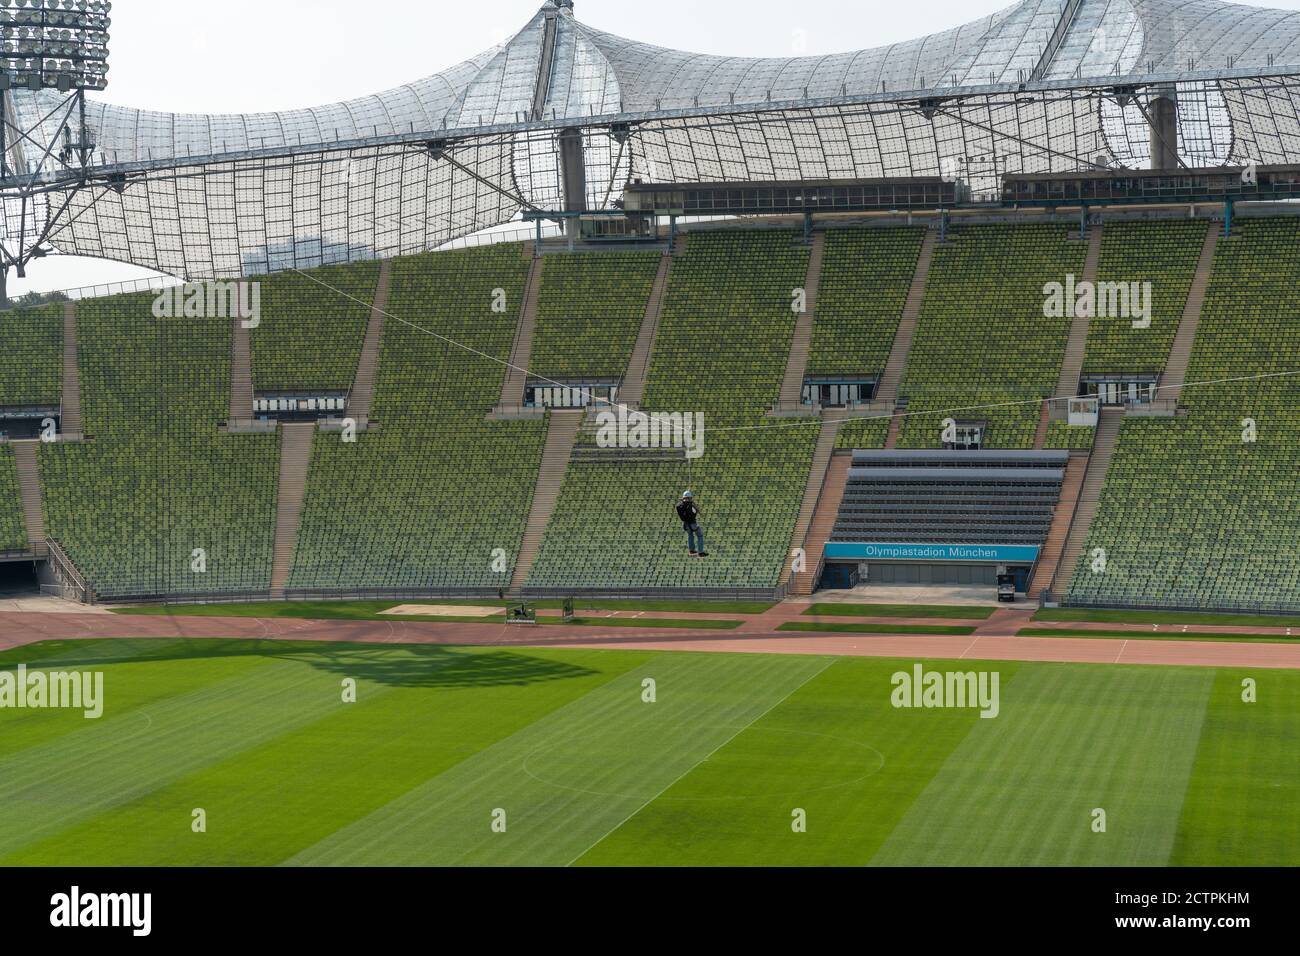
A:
563	747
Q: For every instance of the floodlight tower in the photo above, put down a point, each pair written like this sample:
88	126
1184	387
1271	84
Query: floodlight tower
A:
52	51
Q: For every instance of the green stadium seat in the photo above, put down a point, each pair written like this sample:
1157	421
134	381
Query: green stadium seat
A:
31	359
158	480
437	498
589	313
13	533
1191	515
1072	437
1164	253
983	348
312	329
866	275
31	376
723	344
427	501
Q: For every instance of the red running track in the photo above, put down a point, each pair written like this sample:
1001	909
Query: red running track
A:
19	629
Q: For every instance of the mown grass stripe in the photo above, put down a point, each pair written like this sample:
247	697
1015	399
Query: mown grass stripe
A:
721	745
1021	788
276	799
130	683
567	780
54	785
1240	808
835	749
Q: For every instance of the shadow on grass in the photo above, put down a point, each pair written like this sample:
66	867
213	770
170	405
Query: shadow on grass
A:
395	666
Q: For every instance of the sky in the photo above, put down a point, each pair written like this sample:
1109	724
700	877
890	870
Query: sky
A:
253	55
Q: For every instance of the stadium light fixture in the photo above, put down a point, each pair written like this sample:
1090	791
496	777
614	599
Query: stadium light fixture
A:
54	44
58	47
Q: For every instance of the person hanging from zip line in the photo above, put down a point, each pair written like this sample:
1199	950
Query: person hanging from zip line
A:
689	511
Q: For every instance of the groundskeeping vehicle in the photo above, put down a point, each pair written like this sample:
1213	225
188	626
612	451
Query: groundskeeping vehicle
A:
1007	588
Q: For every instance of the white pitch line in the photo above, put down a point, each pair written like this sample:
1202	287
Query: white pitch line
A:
1122	649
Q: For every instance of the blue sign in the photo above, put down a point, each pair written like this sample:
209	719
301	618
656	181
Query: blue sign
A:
894	551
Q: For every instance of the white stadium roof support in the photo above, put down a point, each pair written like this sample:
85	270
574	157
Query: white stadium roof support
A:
1041	86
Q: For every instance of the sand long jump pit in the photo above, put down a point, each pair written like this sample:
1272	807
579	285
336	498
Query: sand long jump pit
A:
442	610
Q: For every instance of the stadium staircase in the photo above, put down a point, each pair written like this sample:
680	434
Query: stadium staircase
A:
70	417
1044	424
68	576
1077	347
823	523
817	491
29	483
362	397
633	390
295	459
1103	451
241	374
561	436
1054	547
887	393
1175	377
895	429
521	352
791	400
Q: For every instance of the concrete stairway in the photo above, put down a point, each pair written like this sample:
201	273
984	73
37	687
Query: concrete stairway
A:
1077	347
61	572
1050	557
633	391
560	438
521	353
362	396
241	374
295	458
1067	384
823	522
895	429
812	493
71	427
1180	356
797	367
897	364
29	483
1103	451
1044	423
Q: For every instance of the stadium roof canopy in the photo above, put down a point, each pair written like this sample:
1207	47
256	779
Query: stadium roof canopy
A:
1041	86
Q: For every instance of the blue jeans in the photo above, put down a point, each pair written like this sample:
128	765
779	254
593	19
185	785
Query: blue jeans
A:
695	538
